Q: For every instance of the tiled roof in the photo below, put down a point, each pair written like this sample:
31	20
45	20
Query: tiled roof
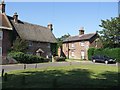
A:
80	37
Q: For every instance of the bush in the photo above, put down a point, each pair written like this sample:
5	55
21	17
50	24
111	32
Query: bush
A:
90	53
57	58
26	58
113	53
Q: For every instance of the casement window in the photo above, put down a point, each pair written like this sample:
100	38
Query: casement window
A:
82	43
48	46
72	53
0	51
29	53
1	35
30	44
72	45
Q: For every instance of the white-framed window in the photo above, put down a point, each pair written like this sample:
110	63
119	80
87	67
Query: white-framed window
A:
30	44
1	35
72	45
29	53
82	43
0	51
48	46
72	53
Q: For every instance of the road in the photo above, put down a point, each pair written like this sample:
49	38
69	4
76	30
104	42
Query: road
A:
12	67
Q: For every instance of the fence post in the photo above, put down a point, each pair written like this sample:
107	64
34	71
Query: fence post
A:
2	72
36	66
24	66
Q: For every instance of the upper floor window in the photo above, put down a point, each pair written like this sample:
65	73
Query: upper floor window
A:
72	45
82	43
1	35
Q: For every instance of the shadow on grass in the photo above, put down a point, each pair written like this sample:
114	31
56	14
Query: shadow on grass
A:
75	78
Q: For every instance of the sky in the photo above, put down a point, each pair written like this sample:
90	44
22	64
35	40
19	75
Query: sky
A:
66	17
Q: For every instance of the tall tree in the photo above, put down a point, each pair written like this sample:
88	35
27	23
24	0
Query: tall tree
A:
110	33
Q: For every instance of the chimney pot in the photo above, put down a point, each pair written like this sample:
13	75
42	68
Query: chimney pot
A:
50	26
15	16
81	31
2	6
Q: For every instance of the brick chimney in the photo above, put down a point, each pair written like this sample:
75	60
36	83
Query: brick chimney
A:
50	26
15	16
2	6
81	31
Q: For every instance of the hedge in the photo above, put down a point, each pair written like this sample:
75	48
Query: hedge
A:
58	59
113	53
90	53
26	58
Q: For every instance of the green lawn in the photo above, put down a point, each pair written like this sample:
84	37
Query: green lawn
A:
83	76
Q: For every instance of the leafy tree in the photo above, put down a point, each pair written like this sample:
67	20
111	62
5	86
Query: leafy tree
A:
110	34
61	39
20	45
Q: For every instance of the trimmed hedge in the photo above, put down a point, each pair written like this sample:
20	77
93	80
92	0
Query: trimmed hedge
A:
57	58
90	53
26	58
113	53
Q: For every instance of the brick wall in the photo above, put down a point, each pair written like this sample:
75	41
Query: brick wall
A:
75	49
6	42
34	46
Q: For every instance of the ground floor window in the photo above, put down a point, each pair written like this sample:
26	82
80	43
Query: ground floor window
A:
82	54
72	53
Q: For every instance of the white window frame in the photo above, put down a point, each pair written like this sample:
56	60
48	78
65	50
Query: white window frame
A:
1	51
72	53
72	45
82	44
1	35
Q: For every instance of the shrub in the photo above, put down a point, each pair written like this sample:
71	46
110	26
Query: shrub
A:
90	53
57	58
113	53
26	58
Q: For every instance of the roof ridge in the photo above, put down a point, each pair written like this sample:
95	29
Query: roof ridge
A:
82	34
28	22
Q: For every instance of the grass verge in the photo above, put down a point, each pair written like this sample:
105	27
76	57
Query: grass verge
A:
83	76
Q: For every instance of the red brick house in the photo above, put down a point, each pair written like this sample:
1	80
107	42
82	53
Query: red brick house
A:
40	38
75	47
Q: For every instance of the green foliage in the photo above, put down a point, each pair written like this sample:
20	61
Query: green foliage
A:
90	53
98	51
20	45
26	58
61	39
54	48
57	58
113	53
110	33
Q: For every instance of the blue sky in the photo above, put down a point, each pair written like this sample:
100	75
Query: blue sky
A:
67	17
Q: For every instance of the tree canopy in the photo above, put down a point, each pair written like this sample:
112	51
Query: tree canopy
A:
110	33
61	39
20	45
